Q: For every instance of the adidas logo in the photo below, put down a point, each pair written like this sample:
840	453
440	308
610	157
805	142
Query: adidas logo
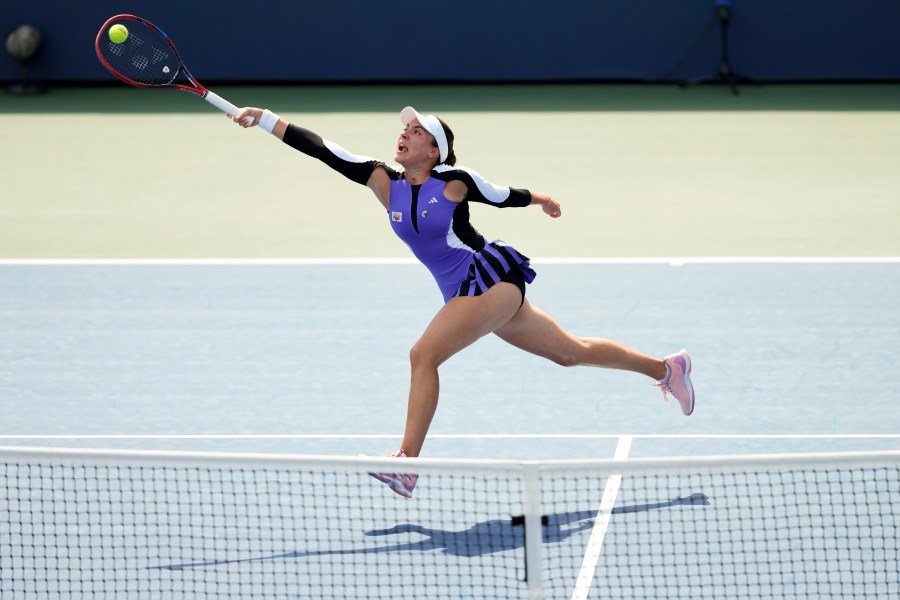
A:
433	201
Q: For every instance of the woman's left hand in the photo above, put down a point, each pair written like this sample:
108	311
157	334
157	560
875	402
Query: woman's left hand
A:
551	207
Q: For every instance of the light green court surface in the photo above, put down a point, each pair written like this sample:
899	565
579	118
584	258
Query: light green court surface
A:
115	172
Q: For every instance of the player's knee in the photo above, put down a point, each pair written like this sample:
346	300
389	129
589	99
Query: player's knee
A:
566	360
422	355
572	355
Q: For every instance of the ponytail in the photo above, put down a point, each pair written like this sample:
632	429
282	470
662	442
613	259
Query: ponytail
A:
451	156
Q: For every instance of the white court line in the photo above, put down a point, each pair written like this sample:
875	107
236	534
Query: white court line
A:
444	436
601	523
139	262
653	260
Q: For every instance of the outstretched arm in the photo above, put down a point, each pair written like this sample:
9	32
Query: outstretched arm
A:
353	167
360	169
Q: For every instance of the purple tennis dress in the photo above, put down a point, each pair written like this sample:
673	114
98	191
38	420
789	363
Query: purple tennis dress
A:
438	232
436	229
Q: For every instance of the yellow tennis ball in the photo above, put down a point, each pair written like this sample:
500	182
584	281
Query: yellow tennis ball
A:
118	33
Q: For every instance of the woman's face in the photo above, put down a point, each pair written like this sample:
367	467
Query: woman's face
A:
415	146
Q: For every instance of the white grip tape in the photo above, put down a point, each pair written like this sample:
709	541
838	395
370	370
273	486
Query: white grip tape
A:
225	106
268	120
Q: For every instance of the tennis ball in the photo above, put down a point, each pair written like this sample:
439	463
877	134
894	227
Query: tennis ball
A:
118	33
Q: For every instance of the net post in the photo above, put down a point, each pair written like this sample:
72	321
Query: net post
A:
534	539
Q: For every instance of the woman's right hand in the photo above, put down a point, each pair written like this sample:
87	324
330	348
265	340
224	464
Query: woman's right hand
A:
242	120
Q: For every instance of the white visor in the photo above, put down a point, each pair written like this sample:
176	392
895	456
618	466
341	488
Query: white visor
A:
431	125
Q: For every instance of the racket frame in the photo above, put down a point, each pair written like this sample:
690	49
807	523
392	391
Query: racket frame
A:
195	88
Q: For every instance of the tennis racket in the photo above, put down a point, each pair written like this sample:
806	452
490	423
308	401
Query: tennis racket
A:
147	58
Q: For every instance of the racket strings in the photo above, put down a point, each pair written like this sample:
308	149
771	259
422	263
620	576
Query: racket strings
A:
144	57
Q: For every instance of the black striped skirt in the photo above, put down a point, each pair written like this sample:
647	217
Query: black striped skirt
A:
492	265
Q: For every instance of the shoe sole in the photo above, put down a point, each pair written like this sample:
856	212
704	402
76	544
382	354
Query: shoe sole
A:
687	380
399	488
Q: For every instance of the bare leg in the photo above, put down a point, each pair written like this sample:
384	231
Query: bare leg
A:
458	324
535	331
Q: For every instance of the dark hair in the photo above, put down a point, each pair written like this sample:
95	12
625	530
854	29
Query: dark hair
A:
451	156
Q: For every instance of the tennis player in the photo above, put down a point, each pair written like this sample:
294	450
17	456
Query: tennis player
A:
483	283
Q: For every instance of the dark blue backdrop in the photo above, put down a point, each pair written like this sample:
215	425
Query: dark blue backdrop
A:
479	40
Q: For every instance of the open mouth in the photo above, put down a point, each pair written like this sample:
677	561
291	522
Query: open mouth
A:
401	148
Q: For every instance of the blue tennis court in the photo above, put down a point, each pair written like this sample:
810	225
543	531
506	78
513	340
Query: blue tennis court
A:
309	357
319	351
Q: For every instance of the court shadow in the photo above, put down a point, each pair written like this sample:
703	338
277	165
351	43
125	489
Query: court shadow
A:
486	537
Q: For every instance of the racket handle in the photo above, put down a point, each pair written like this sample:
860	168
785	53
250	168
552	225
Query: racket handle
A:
225	106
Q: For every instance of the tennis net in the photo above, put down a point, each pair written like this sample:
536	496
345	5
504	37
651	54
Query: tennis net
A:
136	524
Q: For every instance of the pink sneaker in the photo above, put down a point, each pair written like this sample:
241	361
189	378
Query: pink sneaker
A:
678	381
401	483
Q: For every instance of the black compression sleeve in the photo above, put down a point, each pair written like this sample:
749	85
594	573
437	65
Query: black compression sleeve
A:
354	168
517	197
481	190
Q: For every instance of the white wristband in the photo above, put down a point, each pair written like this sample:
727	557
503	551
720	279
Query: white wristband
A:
268	120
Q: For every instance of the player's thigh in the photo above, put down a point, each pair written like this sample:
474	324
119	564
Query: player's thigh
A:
536	332
463	320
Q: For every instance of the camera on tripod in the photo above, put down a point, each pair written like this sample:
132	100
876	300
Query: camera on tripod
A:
725	74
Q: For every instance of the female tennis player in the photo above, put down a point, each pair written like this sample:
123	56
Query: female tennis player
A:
483	283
